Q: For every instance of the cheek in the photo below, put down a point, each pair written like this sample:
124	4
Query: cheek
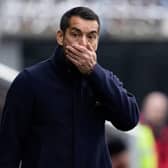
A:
95	46
68	39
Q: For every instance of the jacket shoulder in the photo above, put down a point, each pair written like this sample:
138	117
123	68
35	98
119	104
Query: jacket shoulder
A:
33	73
38	68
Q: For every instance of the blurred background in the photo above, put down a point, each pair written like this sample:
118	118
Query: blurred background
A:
133	43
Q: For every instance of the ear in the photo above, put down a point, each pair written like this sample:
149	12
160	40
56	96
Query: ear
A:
60	37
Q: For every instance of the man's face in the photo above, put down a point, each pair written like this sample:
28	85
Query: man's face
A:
81	32
155	109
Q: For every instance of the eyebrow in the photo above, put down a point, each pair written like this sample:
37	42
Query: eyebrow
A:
78	30
93	32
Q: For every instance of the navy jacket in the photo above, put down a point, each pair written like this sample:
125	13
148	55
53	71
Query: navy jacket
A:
54	116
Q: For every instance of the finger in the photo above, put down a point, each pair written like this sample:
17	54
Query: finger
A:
73	51
80	48
78	56
71	55
74	61
79	62
69	52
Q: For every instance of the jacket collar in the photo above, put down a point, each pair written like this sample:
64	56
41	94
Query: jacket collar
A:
61	63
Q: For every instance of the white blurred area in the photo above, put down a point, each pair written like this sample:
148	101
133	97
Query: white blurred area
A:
120	18
6	73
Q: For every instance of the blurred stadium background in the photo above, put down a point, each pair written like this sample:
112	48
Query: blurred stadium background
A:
133	43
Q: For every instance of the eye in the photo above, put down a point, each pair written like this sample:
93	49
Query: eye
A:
92	36
74	34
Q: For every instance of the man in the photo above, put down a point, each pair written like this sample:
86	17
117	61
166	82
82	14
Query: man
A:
154	115
54	113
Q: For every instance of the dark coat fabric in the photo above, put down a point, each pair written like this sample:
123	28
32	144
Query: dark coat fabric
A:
54	116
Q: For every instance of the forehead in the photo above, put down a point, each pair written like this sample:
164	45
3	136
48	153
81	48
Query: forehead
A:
83	24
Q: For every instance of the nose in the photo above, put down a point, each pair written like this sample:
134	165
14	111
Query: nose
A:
83	41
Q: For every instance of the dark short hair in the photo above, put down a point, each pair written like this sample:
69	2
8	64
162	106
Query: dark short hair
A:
82	12
116	145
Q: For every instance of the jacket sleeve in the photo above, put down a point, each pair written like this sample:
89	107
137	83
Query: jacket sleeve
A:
15	122
114	102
